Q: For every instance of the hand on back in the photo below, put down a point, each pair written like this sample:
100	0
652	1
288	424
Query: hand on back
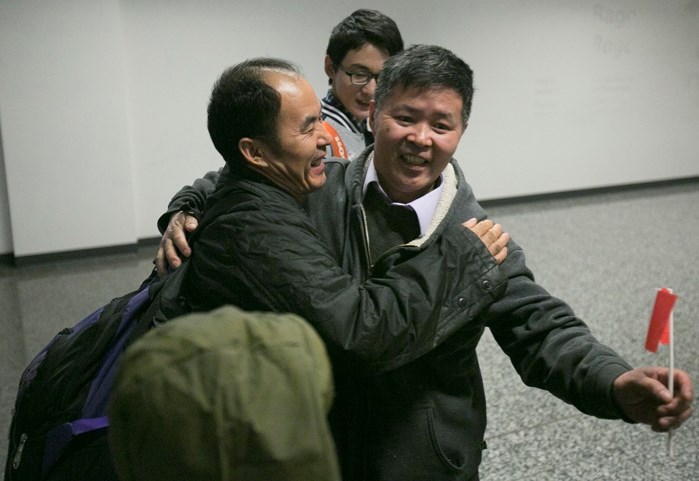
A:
492	236
173	245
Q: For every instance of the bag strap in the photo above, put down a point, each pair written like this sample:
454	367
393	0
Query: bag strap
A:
337	146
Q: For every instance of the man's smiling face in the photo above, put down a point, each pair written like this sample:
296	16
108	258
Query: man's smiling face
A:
416	134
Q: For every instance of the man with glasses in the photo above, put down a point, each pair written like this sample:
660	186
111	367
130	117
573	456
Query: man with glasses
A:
357	49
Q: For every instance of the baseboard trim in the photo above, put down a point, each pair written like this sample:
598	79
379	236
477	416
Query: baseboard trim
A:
23	261
570	194
7	259
148	242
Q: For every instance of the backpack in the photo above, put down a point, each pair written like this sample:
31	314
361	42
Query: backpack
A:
59	421
64	391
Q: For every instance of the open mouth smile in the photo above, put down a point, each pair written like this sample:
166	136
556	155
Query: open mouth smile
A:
411	159
317	165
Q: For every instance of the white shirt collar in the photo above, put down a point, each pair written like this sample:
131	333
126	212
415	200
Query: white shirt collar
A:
424	206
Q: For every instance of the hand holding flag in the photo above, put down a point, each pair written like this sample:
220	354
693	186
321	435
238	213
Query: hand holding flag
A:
641	393
660	332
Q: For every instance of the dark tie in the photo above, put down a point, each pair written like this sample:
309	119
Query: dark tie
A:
389	225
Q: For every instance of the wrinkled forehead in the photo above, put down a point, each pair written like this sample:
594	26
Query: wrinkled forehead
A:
299	103
291	87
433	102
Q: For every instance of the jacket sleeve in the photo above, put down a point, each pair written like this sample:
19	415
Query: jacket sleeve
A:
274	260
550	347
190	198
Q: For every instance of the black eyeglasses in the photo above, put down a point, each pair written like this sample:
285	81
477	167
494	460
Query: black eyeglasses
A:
360	78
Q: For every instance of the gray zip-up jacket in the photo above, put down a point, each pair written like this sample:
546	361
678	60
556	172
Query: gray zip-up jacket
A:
426	419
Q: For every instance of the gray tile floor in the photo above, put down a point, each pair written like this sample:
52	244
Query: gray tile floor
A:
605	254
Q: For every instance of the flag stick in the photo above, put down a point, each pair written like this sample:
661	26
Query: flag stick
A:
671	380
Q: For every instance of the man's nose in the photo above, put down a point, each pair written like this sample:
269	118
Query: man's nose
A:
324	139
421	135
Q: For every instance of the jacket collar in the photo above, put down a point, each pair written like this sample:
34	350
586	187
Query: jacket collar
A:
452	181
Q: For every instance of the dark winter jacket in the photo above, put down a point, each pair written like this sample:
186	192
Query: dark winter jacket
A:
409	397
263	253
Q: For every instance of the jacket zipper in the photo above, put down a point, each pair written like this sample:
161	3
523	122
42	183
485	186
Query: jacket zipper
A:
365	232
367	250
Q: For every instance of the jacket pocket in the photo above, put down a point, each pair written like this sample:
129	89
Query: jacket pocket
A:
417	445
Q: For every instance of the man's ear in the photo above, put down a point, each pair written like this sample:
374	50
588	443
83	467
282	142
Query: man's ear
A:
252	152
329	67
372	111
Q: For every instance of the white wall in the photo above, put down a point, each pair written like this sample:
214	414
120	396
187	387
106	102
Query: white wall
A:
63	114
575	94
102	103
5	233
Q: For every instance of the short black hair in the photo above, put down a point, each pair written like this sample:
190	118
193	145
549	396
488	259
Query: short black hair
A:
424	67
243	104
361	27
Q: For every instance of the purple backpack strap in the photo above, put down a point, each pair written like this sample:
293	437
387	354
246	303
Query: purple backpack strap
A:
98	397
58	439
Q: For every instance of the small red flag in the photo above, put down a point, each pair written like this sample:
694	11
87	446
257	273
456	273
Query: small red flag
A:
658	329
